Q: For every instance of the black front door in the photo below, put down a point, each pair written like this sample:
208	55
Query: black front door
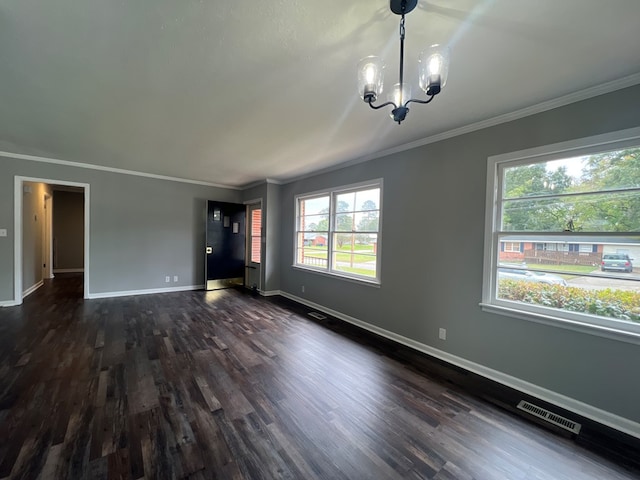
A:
225	244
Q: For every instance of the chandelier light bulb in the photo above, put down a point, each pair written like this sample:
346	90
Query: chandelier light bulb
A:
433	69
400	95
370	78
370	73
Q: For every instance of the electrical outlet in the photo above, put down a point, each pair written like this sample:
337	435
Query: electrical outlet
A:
175	278
302	288
167	279
442	334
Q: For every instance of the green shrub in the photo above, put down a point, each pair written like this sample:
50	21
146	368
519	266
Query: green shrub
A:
619	304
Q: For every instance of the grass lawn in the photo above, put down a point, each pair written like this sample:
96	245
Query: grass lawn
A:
344	254
355	258
565	271
579	269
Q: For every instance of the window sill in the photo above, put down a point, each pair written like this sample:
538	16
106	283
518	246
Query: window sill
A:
590	329
360	281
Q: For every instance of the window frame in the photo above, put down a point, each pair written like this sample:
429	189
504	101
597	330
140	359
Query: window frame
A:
332	193
591	324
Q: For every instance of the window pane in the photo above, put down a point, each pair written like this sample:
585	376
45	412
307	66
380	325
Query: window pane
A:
313	206
345	202
256	235
344	222
314	223
312	249
596	212
355	254
545	178
596	275
311	259
608	171
367	221
368	199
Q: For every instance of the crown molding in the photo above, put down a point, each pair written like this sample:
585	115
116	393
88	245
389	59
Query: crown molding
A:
122	171
573	97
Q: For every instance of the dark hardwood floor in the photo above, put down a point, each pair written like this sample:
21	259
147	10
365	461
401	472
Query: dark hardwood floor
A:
227	385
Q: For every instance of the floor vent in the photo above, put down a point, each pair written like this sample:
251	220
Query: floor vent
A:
550	417
317	316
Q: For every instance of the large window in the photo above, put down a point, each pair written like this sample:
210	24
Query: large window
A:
563	235
338	231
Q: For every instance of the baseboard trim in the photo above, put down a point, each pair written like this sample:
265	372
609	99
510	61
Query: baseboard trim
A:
32	289
588	411
8	303
270	293
149	291
68	270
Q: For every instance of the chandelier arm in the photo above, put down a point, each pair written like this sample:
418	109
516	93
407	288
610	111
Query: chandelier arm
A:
376	107
417	100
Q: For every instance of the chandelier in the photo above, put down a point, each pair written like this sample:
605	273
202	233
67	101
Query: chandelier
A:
433	66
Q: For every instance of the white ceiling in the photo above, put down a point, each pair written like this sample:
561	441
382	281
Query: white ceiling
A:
238	91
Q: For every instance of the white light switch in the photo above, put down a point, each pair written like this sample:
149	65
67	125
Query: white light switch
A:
3	232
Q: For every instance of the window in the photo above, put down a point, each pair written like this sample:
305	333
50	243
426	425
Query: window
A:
256	234
569	209
338	231
512	246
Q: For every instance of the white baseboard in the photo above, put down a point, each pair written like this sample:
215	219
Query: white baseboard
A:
8	303
32	289
68	270
128	293
270	293
588	411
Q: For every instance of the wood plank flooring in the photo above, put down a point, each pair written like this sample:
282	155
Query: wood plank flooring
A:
223	384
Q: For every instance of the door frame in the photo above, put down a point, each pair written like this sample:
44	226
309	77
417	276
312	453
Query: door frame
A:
47	243
231	211
249	263
18	187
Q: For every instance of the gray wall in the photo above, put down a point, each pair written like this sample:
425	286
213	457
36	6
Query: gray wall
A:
142	229
68	230
270	195
436	194
273	233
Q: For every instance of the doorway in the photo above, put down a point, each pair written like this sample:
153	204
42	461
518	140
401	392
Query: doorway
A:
225	245
47	244
39	206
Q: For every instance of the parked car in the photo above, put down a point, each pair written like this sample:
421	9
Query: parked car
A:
616	261
529	276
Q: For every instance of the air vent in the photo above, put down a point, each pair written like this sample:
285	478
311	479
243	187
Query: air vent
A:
550	417
317	316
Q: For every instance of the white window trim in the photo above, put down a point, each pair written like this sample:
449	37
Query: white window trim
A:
609	328
331	192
